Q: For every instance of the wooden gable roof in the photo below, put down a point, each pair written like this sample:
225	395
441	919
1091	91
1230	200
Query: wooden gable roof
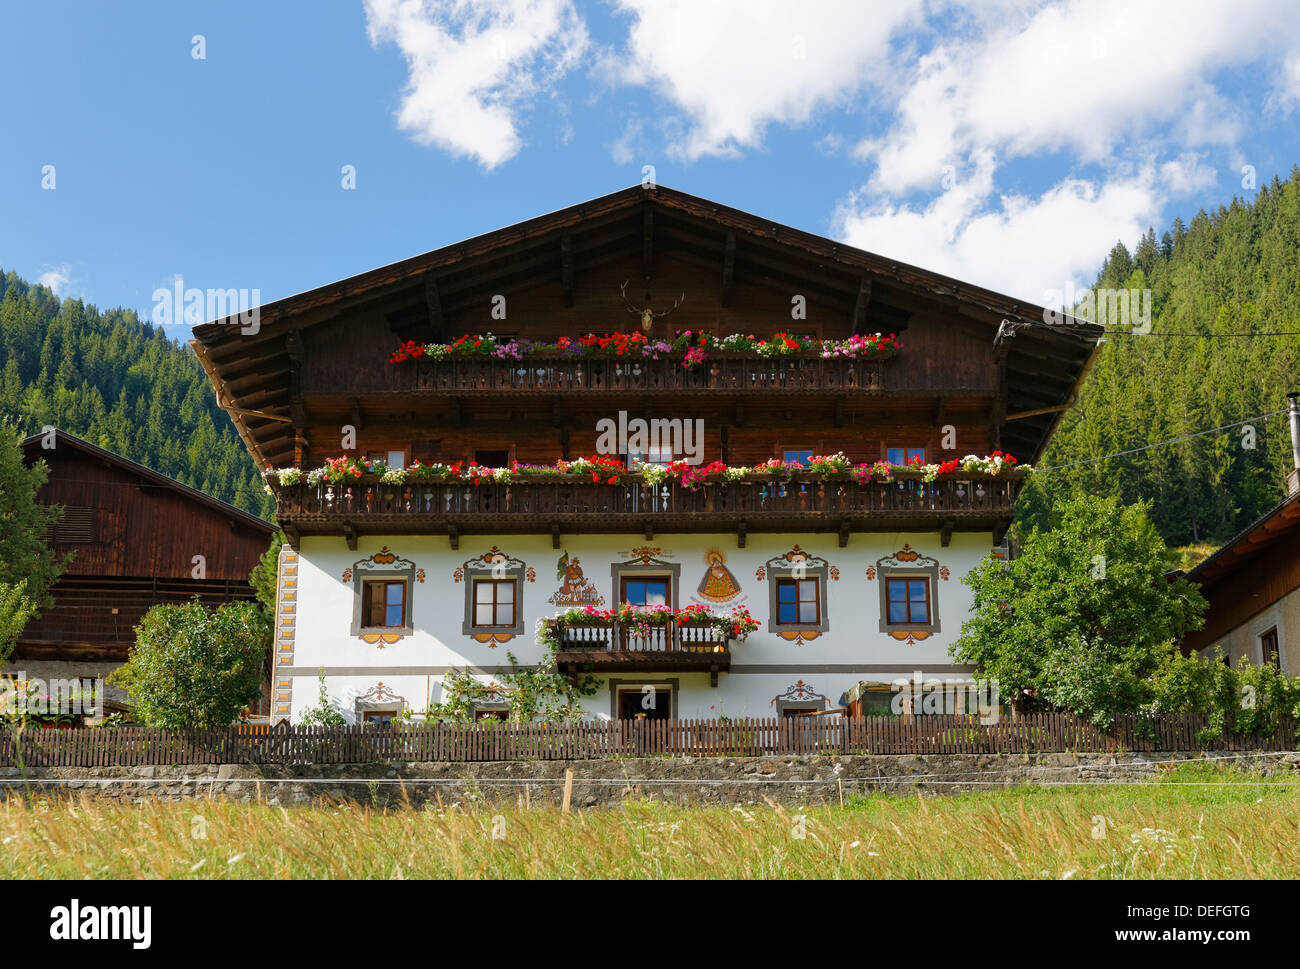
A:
253	373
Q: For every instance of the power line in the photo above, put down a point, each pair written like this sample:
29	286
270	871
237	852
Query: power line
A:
1172	440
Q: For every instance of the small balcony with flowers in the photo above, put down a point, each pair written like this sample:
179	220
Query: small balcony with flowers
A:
693	361
828	493
649	639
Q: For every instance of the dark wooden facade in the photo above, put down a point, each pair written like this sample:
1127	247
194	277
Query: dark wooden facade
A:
133	535
319	362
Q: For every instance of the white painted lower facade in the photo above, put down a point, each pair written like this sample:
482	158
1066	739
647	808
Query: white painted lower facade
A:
317	618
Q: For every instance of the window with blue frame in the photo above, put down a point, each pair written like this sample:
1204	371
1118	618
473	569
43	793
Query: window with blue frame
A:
796	457
902	455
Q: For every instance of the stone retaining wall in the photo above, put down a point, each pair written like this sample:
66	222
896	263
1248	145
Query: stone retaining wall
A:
605	783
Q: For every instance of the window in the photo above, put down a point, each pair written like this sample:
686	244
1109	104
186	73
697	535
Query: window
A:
653	456
645	592
494	602
909	594
395	460
493	459
909	600
902	455
383	603
494	597
501	713
383	718
649	702
798	602
797	456
76	527
1269	648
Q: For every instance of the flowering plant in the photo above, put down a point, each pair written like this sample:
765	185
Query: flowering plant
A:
692	346
607	469
641	621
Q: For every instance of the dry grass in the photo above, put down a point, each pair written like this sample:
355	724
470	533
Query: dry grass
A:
1194	824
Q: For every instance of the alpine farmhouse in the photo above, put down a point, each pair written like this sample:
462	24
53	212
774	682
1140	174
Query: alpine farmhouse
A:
848	417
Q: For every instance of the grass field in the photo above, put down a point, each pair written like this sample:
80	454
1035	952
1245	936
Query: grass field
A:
1197	822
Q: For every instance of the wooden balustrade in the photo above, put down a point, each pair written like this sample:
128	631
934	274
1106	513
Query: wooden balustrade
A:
725	372
613	636
973	501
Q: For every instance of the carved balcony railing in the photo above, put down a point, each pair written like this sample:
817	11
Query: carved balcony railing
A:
608	645
721	372
973	502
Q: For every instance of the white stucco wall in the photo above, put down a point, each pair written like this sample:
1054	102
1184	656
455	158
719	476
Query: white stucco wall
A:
763	667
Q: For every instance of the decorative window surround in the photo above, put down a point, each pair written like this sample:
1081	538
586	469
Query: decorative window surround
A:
646	566
797	564
384	564
493	700
378	698
908	563
494	564
800	696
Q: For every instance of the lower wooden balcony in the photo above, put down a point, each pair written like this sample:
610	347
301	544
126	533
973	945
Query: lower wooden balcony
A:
602	647
368	506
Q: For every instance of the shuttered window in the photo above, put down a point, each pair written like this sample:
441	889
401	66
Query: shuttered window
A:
77	527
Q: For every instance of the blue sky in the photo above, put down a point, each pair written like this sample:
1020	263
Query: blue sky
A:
1005	143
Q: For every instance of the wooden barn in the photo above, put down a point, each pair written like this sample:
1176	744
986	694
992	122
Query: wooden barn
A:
137	538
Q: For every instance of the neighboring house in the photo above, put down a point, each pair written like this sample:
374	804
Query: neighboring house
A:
389	586
137	538
1252	584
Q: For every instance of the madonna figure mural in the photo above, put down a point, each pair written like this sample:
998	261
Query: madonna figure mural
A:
718	584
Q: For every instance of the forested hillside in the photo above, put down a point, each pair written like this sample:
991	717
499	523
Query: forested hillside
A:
1233	271
120	383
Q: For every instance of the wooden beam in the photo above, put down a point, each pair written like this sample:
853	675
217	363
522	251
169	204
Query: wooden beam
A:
555	534
728	268
837	417
1020	415
860	308
350	535
453	536
354	407
741	529
433	308
844	533
945	533
649	530
648	242
566	268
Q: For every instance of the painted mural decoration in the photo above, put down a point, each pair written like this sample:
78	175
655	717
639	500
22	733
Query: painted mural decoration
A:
647	555
501	564
575	588
383	561
379	695
801	692
718	584
797	563
908	561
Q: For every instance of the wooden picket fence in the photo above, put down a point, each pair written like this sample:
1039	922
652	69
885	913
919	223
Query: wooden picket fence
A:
494	741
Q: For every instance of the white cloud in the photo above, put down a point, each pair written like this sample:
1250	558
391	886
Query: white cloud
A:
1015	244
1081	75
58	279
734	66
475	64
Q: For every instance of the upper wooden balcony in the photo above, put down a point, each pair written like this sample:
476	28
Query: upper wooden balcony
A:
725	372
970	502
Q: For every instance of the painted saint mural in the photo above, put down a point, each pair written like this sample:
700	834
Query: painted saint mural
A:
717	584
